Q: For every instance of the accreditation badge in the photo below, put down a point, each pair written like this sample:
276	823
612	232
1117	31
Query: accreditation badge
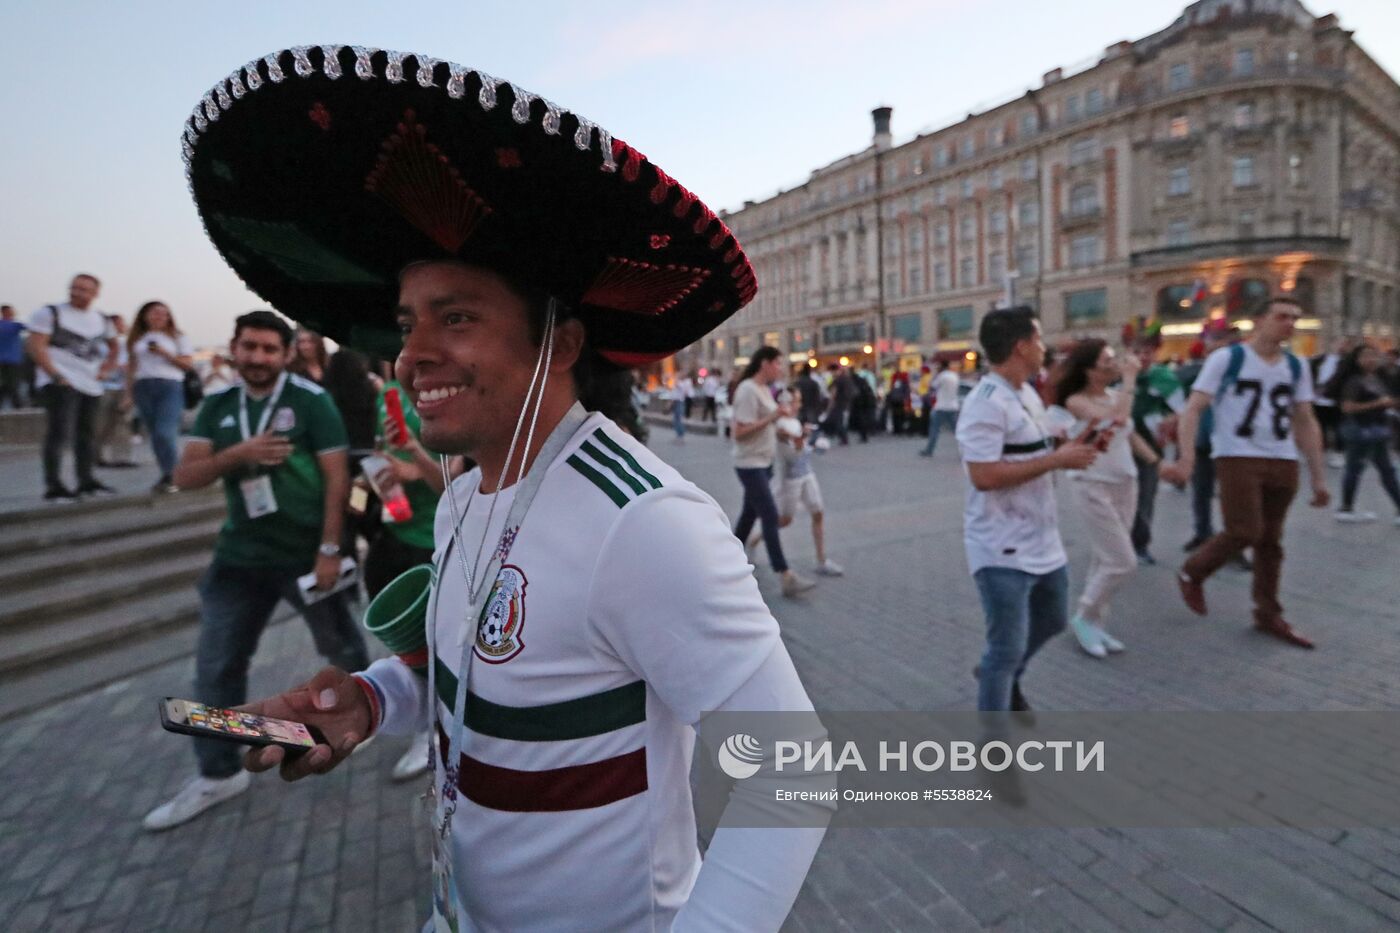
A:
258	499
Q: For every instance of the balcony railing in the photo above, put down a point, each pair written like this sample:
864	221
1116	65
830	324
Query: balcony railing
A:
1084	217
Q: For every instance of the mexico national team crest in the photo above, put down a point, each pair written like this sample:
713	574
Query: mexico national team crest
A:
284	419
502	621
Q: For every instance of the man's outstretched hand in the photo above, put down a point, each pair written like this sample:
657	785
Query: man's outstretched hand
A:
331	701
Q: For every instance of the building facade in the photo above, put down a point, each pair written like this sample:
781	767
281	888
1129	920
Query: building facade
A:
1248	149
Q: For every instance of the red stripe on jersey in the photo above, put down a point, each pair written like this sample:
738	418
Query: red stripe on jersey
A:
577	787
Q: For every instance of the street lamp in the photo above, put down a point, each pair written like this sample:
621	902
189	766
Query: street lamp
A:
882	142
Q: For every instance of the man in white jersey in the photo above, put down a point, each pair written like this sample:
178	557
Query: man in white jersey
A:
1010	524
1262	397
589	604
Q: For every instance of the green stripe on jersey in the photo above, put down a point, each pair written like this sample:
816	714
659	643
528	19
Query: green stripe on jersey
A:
598	479
586	716
614	466
621	451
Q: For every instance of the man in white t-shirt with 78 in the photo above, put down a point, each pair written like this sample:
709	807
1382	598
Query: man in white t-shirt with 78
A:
1010	525
1262	397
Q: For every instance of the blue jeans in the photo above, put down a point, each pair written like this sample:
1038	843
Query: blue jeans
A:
160	402
678	417
759	504
1367	445
1024	611
937	421
235	605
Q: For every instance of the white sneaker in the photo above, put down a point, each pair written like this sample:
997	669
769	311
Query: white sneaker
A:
1355	518
1108	641
414	761
793	584
1087	634
1336	461
829	568
194	798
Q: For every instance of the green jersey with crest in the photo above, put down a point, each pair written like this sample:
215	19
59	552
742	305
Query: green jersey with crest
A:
307	417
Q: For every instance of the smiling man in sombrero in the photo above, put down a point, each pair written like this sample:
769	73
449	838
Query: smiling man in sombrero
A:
589	602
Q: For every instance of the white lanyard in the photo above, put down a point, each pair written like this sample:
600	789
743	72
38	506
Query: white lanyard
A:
267	412
524	496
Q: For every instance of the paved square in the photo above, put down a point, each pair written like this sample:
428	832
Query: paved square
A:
900	631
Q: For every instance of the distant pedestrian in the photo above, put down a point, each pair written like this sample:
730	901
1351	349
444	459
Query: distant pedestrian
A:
897	402
687	387
1106	491
946	402
13	390
798	487
74	349
161	355
1010	525
114	411
1366	403
755	447
678	402
708	390
220	376
278	445
309	356
839	401
1329	414
811	396
1156	401
1262	396
1203	476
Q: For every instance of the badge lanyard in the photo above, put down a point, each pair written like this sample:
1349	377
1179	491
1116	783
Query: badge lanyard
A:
445	774
272	401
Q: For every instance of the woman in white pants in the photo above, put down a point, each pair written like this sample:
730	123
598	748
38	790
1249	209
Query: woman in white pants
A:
1107	491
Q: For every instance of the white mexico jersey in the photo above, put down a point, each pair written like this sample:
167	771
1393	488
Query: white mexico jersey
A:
1016	527
625	609
1254	414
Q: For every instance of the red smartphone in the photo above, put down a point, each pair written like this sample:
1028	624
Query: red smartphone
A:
230	725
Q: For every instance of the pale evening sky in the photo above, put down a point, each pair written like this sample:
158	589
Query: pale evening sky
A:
733	99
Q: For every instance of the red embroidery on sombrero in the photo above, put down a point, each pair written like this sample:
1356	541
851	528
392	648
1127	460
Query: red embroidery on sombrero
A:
684	203
706	217
415	178
320	115
660	240
641	287
508	158
663	186
629	158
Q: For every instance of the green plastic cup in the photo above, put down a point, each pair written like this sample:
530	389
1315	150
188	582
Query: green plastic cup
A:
396	616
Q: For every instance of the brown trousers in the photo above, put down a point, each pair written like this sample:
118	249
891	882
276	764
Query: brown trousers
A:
1255	493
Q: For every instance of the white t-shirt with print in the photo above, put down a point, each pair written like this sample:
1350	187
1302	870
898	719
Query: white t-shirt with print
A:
150	365
627	609
1254	415
945	391
80	364
1016	527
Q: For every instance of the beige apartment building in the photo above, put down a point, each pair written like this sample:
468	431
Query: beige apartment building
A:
1247	149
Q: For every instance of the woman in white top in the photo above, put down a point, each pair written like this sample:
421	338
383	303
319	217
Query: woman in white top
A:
1107	490
159	358
755	445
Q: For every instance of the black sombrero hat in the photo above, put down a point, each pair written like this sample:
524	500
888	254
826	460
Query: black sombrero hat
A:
321	171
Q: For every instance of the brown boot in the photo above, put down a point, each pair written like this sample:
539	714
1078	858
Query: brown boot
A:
1282	631
1192	593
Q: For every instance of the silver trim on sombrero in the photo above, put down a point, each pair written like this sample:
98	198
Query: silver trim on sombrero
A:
254	75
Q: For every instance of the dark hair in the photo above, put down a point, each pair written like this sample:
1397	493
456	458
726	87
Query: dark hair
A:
760	356
1347	366
1074	375
1002	329
140	328
299	365
1263	309
90	277
263	320
346	381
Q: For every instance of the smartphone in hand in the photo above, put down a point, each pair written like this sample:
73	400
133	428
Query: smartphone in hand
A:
230	725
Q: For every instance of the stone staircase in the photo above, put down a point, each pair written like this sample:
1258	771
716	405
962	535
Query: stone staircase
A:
94	592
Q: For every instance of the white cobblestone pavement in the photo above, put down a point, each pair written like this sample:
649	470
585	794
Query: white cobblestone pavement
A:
900	631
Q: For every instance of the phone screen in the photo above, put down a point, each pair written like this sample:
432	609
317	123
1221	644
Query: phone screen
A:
235	724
